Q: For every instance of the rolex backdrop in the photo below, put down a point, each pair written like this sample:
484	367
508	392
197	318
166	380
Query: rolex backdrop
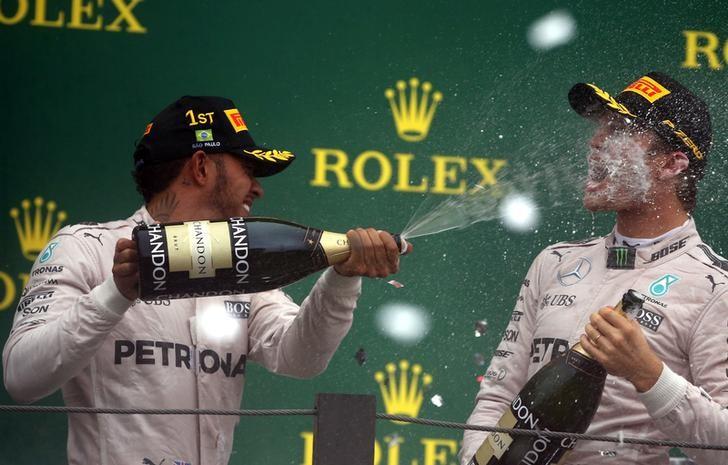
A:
391	109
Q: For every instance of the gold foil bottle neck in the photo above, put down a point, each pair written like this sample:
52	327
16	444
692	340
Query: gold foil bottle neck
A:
578	348
336	247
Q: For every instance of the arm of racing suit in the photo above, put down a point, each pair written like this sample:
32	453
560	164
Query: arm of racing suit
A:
510	362
300	342
686	412
673	399
682	410
62	319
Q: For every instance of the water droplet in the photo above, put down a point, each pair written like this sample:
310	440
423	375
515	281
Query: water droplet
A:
395	283
393	440
481	326
403	322
519	212
361	356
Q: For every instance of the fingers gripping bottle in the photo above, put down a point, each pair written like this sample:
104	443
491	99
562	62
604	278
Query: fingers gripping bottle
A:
562	396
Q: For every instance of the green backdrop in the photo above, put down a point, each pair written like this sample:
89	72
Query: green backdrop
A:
81	78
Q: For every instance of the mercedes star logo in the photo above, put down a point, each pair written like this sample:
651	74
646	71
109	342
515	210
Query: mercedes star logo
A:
575	272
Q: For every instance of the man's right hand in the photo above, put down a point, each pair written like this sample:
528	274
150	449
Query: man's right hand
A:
126	269
621	347
373	253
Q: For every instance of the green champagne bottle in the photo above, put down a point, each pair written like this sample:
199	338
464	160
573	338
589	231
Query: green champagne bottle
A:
562	396
235	256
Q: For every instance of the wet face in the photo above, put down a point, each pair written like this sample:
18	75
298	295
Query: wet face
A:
235	187
621	166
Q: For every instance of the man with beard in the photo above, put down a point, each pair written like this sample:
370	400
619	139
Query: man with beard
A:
648	152
80	327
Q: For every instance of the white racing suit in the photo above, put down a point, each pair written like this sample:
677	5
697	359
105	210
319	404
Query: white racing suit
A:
74	330
685	320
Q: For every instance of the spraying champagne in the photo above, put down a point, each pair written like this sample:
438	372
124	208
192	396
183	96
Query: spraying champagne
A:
236	256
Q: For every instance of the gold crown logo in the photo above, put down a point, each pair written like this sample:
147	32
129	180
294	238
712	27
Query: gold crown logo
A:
403	396
413	115
36	229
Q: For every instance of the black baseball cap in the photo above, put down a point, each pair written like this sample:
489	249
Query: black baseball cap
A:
210	124
658	102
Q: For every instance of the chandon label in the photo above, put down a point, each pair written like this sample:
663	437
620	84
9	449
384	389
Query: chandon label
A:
240	249
541	445
201	250
197	295
159	258
496	444
521	411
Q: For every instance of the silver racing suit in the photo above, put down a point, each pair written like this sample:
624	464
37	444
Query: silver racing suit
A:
685	320
73	330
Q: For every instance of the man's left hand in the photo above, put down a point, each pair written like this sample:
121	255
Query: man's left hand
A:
373	253
619	344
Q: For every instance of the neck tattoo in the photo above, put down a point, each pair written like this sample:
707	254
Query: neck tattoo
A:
163	207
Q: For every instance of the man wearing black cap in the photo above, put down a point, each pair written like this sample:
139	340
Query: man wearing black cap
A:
648	152
80	327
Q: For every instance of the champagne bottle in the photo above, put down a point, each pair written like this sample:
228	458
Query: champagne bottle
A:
236	256
562	396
